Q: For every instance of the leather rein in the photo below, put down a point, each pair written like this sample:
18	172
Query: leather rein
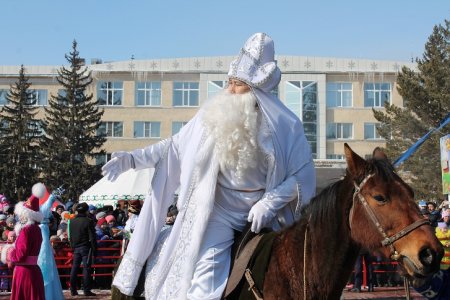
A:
387	240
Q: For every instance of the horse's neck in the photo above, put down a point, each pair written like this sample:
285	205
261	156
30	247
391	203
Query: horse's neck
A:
301	259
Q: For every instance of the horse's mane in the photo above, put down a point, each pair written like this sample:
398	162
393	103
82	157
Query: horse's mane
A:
323	207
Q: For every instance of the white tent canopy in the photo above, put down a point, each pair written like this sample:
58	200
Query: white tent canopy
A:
130	185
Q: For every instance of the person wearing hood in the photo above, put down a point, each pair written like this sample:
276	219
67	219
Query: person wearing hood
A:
243	157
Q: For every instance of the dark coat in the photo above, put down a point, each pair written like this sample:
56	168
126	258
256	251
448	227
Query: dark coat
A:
82	232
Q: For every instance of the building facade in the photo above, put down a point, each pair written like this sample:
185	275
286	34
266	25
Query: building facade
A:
149	100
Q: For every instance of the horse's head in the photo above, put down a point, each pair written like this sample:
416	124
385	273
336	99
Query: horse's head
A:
384	217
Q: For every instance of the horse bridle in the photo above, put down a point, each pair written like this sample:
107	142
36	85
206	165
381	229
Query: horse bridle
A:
387	240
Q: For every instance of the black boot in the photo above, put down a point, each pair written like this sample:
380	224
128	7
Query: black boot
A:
370	287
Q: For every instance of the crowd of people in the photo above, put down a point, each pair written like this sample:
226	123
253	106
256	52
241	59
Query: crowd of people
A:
110	226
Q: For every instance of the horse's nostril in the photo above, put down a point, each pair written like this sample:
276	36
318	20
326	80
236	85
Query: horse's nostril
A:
427	257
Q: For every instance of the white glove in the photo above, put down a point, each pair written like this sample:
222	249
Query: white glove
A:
259	216
120	162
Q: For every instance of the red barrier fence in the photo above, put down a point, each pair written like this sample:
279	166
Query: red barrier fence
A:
108	253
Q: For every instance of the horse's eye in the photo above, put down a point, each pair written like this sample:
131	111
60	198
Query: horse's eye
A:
379	198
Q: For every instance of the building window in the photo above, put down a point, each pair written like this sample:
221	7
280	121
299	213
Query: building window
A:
336	156
215	86
301	98
3	126
3	94
176	127
148	93
339	131
376	94
62	97
110	93
62	93
147	129
41	97
370	132
102	159
35	128
185	94
111	129
339	94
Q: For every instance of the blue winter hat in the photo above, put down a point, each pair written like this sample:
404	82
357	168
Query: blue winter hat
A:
92	207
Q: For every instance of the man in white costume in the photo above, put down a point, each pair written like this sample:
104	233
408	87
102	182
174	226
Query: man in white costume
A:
243	157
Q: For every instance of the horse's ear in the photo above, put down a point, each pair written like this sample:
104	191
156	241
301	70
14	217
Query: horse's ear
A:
355	163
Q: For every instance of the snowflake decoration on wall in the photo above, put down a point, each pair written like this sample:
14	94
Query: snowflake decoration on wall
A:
351	65
307	64
373	66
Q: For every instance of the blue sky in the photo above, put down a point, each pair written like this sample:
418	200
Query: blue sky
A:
40	32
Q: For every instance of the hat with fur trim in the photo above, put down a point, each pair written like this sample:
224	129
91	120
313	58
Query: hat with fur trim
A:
256	64
30	208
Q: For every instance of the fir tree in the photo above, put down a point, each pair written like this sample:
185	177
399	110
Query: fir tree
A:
71	122
426	95
20	135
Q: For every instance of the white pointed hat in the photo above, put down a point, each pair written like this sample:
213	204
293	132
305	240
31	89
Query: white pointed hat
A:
256	64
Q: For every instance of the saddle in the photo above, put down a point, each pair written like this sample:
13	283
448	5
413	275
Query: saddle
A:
250	252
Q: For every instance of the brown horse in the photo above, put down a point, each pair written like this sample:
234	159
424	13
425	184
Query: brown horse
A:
371	207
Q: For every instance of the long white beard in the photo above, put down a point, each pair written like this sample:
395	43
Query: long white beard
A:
232	120
20	224
18	227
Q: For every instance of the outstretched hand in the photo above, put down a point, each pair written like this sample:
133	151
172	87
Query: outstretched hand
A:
120	162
